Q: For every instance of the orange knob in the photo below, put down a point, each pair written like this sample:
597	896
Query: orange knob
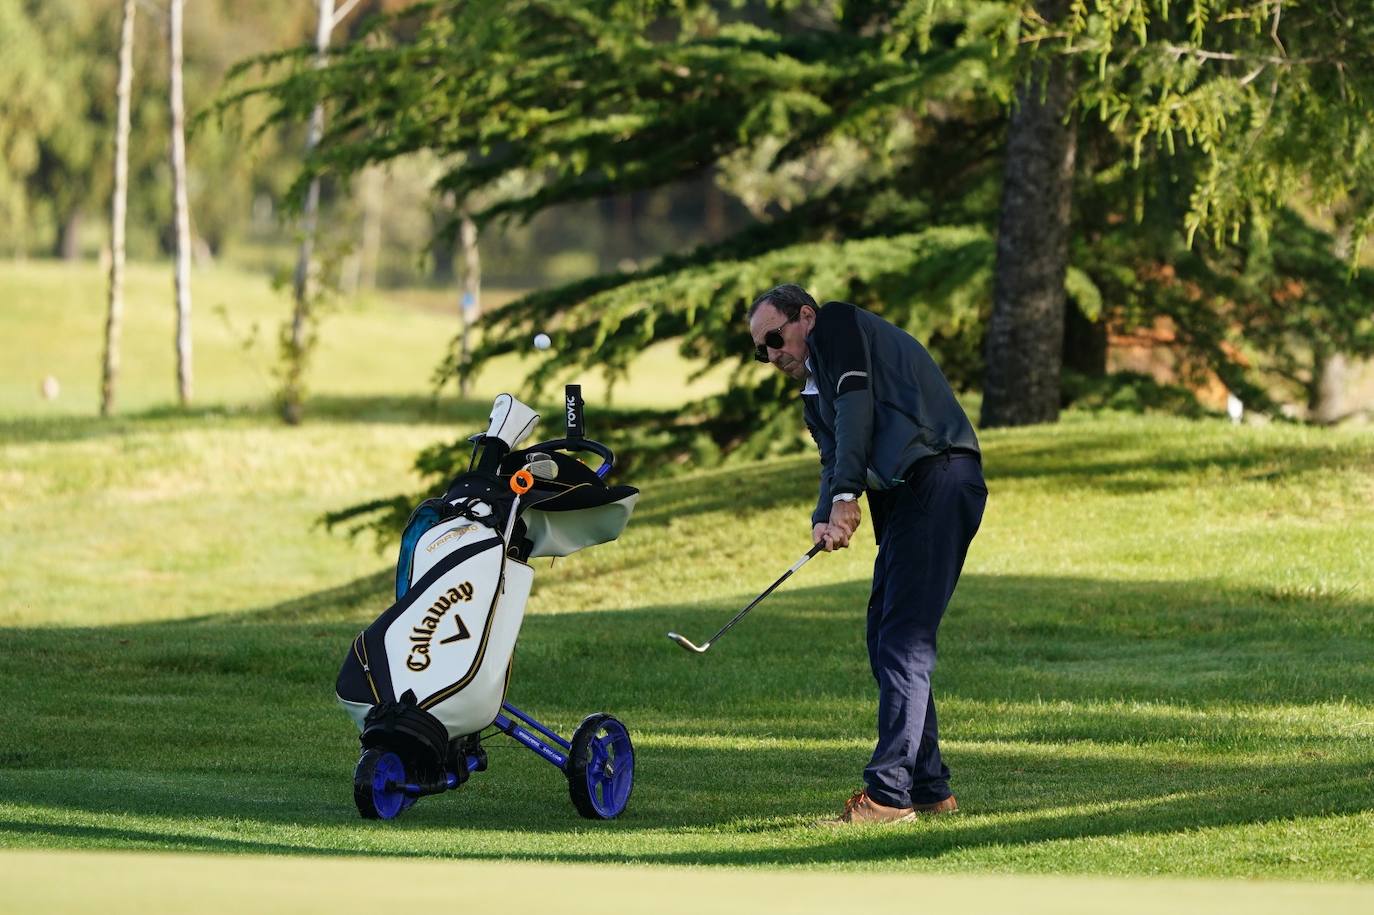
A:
521	482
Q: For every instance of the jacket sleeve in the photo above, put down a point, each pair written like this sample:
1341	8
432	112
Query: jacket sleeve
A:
826	443
843	349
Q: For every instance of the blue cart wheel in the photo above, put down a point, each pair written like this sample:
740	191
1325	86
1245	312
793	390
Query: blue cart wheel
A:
601	767
377	785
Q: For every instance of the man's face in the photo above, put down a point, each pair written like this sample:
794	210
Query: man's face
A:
790	358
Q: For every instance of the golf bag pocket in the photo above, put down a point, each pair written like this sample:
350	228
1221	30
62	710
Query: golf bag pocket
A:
448	639
434	532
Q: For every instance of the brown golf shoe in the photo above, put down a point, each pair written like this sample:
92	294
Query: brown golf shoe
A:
948	805
863	809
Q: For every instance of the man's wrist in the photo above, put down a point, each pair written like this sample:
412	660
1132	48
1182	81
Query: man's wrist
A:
844	497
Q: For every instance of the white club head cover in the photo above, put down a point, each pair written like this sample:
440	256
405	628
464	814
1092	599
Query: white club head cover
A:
511	420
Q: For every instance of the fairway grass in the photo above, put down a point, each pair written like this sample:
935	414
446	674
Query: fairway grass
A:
375	352
114	884
1157	662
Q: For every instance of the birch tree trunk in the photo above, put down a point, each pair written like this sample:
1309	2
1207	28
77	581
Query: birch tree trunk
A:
118	210
1025	342
471	305
181	209
297	344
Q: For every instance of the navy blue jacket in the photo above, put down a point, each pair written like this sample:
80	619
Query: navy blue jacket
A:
881	403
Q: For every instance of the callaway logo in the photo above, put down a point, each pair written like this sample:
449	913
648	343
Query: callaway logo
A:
421	634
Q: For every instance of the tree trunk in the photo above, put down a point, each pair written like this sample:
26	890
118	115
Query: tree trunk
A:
1085	343
1326	395
180	208
443	252
303	281
1026	332
471	306
118	209
713	218
68	245
373	193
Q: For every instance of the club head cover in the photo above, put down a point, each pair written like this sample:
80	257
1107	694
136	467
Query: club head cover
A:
511	421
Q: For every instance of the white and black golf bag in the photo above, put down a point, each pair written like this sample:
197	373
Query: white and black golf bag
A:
433	669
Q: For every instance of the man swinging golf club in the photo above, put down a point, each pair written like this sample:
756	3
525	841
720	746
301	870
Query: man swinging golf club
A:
886	423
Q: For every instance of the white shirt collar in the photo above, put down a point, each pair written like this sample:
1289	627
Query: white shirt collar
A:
810	380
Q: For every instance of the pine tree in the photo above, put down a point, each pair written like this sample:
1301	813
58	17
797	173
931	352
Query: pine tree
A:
608	98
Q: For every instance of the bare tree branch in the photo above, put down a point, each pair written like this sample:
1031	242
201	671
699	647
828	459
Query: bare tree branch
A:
342	13
1274	29
1180	51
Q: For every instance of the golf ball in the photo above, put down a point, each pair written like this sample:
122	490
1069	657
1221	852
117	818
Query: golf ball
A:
542	341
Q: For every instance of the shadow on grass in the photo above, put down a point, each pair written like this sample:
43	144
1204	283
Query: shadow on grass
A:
113	837
367	594
1071	708
735	489
1127	460
465	416
721	792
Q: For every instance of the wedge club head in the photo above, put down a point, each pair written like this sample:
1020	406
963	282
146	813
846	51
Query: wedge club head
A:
686	643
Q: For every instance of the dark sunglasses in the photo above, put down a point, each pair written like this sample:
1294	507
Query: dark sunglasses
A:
773	338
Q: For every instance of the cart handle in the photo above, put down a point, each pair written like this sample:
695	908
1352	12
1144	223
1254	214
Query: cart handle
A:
583	444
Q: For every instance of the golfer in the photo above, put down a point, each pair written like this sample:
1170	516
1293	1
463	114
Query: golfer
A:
887	424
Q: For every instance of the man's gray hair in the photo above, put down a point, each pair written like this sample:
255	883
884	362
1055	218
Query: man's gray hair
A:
787	298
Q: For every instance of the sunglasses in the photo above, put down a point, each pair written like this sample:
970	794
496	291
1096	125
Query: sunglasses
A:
773	338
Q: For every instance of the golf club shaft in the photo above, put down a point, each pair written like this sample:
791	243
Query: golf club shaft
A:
754	603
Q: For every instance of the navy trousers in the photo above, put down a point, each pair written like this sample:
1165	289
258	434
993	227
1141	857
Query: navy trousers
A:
924	528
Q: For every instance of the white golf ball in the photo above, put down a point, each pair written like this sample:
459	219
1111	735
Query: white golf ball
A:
542	341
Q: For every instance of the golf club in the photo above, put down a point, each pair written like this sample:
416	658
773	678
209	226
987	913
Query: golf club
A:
701	649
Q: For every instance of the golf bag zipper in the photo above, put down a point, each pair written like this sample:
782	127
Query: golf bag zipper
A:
358	643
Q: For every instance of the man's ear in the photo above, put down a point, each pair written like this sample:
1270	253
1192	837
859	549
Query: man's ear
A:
808	314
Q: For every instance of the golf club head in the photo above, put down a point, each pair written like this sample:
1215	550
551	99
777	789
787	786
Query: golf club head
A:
543	468
686	643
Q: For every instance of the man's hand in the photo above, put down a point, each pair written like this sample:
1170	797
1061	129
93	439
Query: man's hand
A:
844	521
820	532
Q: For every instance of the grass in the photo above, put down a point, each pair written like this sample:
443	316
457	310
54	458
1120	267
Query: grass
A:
213	884
380	347
1157	662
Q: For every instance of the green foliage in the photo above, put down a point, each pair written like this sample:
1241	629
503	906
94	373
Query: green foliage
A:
57	77
49	116
1259	313
584	98
1275	94
1130	392
865	140
931	282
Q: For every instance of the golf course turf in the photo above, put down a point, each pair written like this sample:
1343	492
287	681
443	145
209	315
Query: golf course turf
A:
1157	664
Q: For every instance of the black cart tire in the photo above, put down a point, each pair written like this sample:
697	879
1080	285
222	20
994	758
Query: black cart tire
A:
600	767
377	782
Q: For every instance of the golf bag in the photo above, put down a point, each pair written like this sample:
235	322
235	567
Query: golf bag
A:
432	670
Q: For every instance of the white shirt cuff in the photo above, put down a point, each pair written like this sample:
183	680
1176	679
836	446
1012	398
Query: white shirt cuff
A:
843	497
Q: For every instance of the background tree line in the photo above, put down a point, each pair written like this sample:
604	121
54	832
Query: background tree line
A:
58	73
1198	161
1007	179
